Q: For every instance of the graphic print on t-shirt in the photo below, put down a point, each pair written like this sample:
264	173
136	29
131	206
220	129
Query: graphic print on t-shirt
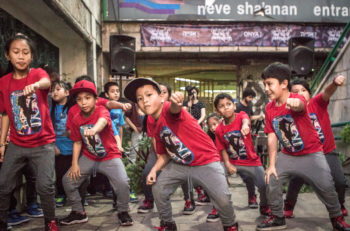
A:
287	133
317	126
93	143
25	113
174	146
60	123
236	148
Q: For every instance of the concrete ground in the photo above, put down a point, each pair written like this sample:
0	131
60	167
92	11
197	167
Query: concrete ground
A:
310	215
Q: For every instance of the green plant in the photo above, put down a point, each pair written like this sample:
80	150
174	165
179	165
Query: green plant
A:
135	170
345	134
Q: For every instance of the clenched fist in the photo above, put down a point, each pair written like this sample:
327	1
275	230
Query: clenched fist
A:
177	98
294	104
339	80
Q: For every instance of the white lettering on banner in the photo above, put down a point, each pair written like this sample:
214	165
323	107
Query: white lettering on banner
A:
333	35
284	10
160	35
190	34
311	34
214	9
281	34
221	35
253	34
334	11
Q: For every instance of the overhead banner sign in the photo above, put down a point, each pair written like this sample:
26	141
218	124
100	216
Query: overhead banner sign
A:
240	34
316	11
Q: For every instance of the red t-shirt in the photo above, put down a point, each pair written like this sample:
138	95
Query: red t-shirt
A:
75	110
30	122
183	139
150	126
101	147
293	129
317	109
240	150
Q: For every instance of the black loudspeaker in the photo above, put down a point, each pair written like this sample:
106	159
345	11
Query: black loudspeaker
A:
122	55
301	55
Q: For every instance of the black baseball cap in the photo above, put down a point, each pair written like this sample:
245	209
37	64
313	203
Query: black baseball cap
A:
133	85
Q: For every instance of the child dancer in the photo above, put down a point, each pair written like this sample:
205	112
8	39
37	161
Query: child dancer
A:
23	97
91	131
317	109
64	146
112	92
287	120
234	141
147	205
212	122
185	153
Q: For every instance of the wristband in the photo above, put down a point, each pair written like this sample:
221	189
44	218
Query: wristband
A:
3	144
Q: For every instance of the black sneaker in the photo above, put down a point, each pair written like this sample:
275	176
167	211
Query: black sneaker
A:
252	203
213	216
125	219
339	224
189	208
146	207
202	198
74	218
273	223
167	226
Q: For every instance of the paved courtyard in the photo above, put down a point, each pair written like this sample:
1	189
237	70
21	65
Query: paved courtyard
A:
310	214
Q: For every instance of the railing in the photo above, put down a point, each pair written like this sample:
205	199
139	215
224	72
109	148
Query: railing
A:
340	124
330	58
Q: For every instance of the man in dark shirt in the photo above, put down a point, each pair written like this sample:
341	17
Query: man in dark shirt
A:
245	104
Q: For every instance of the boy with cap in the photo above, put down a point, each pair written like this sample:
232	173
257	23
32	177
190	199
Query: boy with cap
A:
185	153
287	121
91	131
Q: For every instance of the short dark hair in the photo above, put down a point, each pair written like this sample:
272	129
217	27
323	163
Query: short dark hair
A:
108	85
84	77
302	82
248	92
278	71
222	96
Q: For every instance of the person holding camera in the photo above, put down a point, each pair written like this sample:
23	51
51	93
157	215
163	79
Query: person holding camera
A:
193	105
197	110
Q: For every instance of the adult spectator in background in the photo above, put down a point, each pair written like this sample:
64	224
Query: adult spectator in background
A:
197	110
245	104
193	105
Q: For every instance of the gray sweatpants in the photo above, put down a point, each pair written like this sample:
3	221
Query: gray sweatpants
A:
147	189
135	142
113	169
256	173
211	177
333	161
42	160
314	169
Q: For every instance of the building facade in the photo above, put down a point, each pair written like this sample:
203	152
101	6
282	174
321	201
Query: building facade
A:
67	34
220	45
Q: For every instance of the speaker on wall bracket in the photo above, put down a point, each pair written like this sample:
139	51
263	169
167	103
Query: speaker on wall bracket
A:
301	56
122	55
